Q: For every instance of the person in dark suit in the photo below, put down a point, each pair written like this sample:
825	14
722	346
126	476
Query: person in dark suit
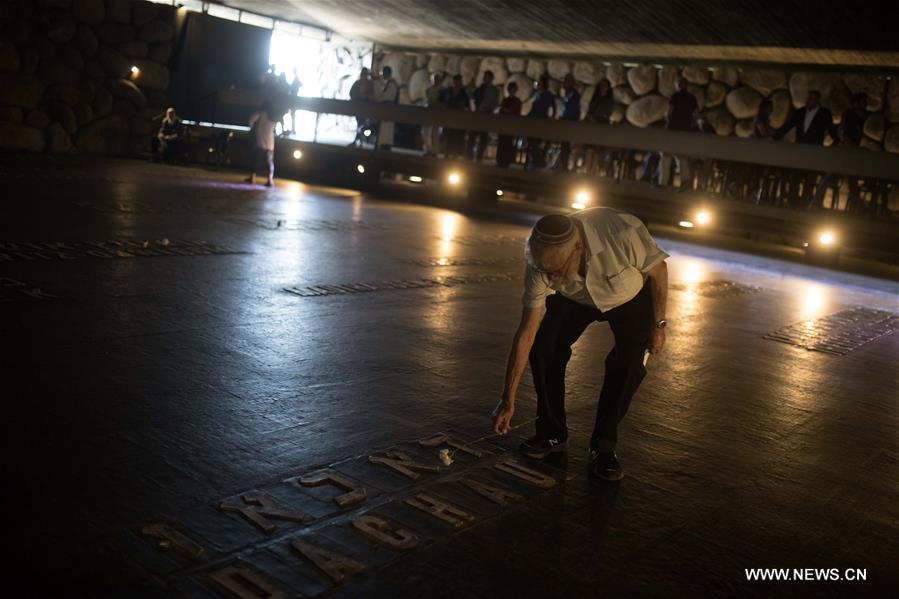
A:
811	122
852	123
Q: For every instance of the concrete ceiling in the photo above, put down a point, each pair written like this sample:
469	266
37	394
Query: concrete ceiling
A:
827	32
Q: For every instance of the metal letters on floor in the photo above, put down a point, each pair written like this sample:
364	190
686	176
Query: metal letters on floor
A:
838	333
280	550
115	248
14	290
320	290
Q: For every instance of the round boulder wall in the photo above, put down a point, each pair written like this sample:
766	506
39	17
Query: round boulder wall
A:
828	84
891	139
102	103
87	41
151	75
118	11
497	66
892	113
160	52
83	113
20	137
726	75
516	65
743	102
743	128
91	12
143	12
401	64
642	79
525	86
115	33
535	69
9	56
667	80
715	94
126	90
764	81
37	119
557	69
780	109
107	136
871	85
67	94
13	114
875	127
156	32
64	115
721	120
697	75
468	68
647	110
453	65
616	74
419	82
437	63
24	92
135	49
623	95
114	62
58	140
587	72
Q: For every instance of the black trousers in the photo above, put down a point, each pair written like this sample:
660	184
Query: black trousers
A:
561	326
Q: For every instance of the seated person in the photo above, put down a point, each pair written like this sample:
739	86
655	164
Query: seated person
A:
169	135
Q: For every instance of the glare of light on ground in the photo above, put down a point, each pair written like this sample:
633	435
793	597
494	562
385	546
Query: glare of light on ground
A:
448	225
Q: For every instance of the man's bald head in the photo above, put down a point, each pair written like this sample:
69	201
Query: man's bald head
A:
551	242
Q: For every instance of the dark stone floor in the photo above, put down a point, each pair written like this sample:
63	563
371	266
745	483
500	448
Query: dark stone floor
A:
148	385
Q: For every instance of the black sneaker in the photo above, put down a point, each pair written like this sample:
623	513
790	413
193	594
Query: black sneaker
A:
605	465
538	447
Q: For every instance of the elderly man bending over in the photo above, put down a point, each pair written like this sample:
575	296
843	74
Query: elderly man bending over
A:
603	266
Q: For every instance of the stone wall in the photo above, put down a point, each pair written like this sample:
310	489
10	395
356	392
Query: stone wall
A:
66	80
728	96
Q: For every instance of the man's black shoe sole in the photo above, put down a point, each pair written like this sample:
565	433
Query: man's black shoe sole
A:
557	448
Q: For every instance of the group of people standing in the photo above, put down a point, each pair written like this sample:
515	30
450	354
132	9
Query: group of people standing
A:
793	188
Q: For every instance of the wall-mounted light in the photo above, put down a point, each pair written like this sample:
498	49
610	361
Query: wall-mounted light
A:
827	238
454	178
499	193
134	70
415	179
360	169
297	154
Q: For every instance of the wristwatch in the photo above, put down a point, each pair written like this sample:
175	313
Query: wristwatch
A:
662	324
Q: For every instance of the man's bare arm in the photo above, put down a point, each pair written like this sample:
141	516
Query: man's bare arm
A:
518	359
659	276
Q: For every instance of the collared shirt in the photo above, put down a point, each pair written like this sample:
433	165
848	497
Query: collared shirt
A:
263	130
387	91
620	251
571	105
809	117
486	98
543	103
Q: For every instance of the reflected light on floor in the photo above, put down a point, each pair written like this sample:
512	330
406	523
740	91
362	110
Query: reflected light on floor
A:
449	222
812	303
357	208
694	273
